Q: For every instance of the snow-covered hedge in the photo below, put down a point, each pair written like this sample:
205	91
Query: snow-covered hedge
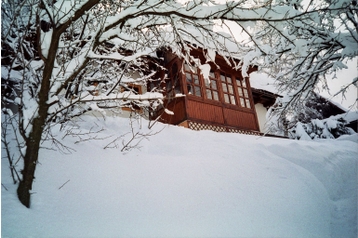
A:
329	128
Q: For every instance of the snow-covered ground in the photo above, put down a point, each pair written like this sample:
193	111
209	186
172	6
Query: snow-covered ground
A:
184	183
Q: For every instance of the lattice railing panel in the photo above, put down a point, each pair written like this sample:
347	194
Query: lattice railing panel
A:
201	126
244	132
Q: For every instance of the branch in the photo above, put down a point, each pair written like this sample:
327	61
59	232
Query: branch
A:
79	13
64	184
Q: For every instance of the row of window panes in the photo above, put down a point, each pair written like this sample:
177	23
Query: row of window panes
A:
192	82
212	91
228	89
243	93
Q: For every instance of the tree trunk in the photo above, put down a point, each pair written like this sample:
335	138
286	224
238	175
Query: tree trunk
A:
34	140
30	161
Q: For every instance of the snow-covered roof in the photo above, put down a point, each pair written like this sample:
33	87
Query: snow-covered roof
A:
348	116
339	106
263	82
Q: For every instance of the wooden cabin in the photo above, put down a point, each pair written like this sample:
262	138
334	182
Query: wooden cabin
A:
225	104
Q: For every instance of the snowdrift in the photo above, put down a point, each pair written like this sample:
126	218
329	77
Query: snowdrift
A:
183	183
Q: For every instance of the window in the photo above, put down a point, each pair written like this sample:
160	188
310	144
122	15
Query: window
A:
223	87
228	88
212	91
244	99
192	81
135	89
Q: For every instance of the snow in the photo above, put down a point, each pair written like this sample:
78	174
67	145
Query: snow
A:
184	183
167	111
127	95
349	116
301	132
46	42
120	57
248	60
211	55
205	71
330	123
263	81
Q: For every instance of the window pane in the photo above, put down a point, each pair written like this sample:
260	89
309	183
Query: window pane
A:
186	68
248	103
242	102
216	95
244	83
222	77
232	98
188	77
240	92
208	94
212	74
196	78
228	78
238	82
213	85
245	93
231	90
226	98
224	87
190	89
197	91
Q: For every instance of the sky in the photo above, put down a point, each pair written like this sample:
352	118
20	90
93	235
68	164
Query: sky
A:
344	77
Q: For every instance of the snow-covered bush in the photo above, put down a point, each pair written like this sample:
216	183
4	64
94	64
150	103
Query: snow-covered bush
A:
314	117
329	128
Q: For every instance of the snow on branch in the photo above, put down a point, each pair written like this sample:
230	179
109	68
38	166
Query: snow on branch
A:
120	57
123	96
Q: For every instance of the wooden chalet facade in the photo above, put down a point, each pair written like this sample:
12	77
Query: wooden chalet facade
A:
226	104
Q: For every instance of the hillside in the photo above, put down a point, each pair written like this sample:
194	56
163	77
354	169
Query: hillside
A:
183	183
